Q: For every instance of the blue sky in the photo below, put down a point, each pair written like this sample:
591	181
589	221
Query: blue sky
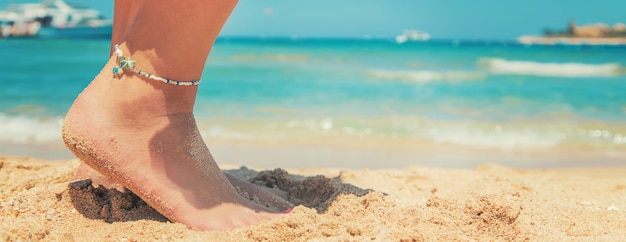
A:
463	19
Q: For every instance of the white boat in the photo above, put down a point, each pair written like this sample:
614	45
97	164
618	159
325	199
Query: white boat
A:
61	20
13	25
7	20
412	35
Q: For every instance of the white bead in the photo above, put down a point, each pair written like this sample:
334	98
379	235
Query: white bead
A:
118	52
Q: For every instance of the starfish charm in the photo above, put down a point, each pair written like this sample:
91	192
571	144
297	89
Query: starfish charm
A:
127	63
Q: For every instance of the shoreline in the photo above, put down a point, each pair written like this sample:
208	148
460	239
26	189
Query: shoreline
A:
489	202
571	40
372	155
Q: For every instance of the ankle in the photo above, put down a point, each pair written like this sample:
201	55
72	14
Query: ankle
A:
178	67
131	94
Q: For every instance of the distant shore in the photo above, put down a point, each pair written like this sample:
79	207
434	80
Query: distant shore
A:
572	40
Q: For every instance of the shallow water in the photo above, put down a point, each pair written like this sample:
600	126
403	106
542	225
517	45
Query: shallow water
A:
477	95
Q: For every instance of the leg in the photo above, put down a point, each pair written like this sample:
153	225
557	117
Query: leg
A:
124	15
142	133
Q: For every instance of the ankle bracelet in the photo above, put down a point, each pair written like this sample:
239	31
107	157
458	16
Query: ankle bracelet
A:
129	64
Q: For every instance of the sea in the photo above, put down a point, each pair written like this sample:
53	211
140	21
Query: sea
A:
439	103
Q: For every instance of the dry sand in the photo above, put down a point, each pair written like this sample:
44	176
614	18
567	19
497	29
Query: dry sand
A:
39	201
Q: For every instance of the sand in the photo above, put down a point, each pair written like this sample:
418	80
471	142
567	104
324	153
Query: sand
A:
40	201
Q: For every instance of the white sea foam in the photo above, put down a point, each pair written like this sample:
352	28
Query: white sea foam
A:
225	133
428	76
503	66
516	138
29	130
459	133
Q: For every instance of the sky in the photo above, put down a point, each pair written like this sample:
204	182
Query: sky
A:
443	19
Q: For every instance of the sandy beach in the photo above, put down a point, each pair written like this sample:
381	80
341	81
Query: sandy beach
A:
403	121
40	201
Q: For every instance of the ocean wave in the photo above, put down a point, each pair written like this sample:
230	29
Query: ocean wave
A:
225	133
409	129
47	130
497	137
29	130
502	66
428	76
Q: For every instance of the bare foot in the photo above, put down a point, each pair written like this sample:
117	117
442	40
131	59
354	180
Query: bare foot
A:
142	134
272	198
263	195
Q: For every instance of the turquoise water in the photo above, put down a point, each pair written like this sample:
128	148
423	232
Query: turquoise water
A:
476	94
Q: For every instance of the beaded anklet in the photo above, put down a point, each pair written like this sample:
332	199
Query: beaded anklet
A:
129	64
